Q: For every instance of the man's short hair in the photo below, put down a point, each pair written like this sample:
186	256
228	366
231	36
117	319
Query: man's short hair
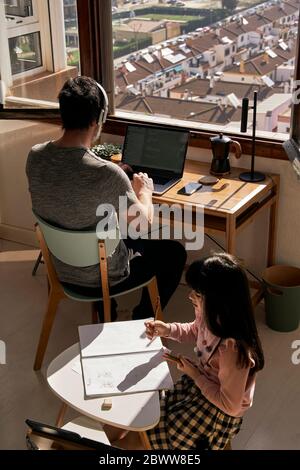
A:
81	102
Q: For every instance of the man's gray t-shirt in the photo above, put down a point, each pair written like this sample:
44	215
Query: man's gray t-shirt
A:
67	185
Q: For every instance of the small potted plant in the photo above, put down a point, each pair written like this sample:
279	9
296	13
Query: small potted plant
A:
106	151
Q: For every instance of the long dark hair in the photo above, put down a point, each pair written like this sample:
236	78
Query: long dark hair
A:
228	311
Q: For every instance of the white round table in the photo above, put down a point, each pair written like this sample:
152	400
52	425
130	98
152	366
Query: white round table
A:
134	412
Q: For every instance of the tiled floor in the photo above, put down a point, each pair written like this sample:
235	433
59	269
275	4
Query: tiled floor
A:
272	423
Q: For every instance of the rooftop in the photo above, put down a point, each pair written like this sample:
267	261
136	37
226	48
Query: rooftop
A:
201	87
179	109
263	64
142	26
273	102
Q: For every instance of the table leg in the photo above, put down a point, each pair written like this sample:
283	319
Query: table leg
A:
145	440
61	415
231	234
273	227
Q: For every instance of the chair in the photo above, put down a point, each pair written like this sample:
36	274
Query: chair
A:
80	434
80	248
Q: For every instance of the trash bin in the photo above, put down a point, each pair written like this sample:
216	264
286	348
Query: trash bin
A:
282	297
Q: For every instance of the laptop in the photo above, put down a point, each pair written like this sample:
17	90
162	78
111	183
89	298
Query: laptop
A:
158	151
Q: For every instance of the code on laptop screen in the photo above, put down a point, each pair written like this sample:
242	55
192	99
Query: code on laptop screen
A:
155	148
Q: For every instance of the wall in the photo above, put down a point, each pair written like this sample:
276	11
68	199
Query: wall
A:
16	139
136	35
16	221
159	35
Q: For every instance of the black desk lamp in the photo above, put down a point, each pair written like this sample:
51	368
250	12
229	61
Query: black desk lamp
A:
250	176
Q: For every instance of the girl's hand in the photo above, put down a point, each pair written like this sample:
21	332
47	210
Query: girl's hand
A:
157	328
188	368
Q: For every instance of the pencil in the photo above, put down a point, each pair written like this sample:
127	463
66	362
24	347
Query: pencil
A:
155	318
157	307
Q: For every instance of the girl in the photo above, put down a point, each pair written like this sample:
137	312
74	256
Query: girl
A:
205	408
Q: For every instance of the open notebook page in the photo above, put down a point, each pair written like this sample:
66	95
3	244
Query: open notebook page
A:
106	339
131	373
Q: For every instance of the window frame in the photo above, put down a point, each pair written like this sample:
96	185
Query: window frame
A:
94	26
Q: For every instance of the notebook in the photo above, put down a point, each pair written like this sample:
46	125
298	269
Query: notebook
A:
158	151
118	358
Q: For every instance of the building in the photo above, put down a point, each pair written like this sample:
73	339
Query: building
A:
138	29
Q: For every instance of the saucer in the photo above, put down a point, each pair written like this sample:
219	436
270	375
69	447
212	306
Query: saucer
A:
208	180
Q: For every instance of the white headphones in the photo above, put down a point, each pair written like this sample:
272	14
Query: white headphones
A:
104	111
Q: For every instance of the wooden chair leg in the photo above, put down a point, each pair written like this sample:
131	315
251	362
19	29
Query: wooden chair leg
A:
95	318
53	301
107	309
154	297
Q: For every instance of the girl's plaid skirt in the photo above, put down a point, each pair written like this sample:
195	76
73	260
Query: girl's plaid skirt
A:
189	421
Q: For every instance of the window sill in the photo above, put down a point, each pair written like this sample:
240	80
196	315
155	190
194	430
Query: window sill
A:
268	145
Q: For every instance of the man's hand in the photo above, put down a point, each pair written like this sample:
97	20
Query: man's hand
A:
142	185
143	188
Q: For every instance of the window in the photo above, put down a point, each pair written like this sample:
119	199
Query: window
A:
145	46
253	68
39	50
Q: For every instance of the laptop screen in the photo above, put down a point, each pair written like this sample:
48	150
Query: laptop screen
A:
155	148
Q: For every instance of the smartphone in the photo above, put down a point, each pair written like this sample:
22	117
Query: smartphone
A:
169	356
189	188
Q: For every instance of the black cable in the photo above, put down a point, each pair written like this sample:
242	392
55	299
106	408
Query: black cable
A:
220	246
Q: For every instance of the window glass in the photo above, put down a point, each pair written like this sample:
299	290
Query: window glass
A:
25	52
196	61
39	50
22	8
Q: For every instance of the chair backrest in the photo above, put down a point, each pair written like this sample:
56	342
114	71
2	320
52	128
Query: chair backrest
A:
78	248
45	437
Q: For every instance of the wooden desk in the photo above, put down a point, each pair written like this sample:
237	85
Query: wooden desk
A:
230	205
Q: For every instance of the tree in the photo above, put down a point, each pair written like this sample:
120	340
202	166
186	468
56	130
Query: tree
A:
229	5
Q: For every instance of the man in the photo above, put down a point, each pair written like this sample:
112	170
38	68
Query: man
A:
68	182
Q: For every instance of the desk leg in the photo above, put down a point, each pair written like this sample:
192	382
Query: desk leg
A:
231	234
61	415
273	226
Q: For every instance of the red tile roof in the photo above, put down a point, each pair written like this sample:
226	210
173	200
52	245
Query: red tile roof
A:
179	109
201	87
